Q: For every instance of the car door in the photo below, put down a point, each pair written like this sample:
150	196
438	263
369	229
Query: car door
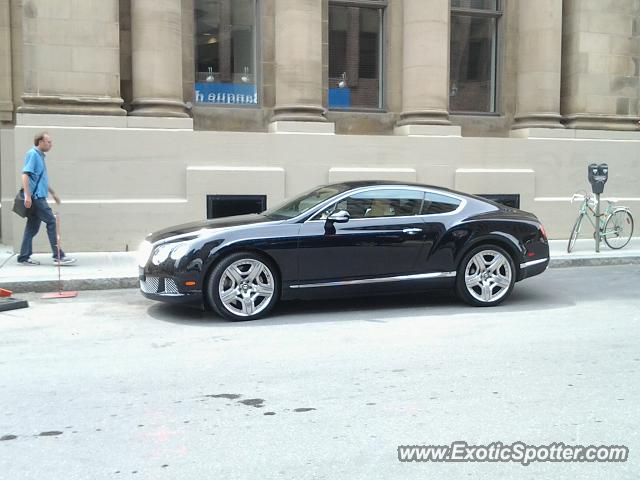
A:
384	236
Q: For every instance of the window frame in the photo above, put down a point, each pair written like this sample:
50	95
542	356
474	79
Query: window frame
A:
257	36
497	14
381	5
327	203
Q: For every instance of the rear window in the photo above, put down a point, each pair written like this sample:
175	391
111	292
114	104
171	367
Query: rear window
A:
435	203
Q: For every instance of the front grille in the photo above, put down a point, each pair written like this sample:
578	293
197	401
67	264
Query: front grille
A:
159	285
170	286
150	284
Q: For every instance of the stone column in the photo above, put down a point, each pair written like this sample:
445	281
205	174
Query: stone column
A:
6	90
539	63
425	65
298	30
156	58
599	65
71	57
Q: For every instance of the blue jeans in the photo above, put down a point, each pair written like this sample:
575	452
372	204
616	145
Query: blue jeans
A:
40	212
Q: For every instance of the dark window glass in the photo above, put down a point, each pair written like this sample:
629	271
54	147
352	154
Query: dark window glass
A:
225	52
475	4
506	199
293	208
354	56
378	203
435	203
473	63
229	205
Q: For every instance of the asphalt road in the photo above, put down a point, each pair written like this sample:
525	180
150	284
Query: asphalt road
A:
111	385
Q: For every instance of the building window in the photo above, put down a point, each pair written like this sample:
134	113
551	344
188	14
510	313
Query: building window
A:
229	205
355	54
226	52
474	34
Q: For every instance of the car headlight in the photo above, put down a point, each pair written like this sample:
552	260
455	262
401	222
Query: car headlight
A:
175	251
161	253
144	251
180	251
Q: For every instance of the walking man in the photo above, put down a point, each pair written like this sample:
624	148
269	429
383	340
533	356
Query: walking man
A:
35	183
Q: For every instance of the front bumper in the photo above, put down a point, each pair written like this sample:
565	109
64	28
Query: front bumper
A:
167	289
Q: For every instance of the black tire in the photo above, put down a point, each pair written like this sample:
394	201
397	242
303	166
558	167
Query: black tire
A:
574	234
621	222
485	294
246	298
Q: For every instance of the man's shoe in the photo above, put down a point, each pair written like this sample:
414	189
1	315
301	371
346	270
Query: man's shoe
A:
29	262
64	261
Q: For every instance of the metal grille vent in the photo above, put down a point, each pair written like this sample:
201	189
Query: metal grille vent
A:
170	286
150	284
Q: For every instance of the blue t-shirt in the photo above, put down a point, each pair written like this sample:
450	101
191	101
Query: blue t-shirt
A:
36	168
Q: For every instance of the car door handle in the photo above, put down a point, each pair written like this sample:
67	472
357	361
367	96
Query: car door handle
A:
412	231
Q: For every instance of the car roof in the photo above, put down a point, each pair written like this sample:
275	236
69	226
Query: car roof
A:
394	183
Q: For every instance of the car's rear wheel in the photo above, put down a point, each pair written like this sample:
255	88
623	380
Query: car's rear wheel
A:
243	286
485	276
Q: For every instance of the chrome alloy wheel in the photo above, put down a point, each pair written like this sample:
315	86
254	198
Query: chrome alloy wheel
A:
246	287
487	276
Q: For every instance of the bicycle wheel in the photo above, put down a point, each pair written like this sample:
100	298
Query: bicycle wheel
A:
618	229
574	233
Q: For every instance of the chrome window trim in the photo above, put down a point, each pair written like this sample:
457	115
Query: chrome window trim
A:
399	278
534	262
318	208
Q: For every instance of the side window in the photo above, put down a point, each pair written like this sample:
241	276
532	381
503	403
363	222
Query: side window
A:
379	203
435	203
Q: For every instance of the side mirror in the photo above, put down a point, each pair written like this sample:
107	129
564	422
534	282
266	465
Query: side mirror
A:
341	216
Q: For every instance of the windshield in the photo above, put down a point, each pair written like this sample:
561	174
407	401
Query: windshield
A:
293	208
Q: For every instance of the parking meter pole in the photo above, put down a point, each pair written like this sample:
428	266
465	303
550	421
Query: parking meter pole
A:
597	237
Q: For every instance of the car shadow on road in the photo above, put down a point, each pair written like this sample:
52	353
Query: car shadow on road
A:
379	309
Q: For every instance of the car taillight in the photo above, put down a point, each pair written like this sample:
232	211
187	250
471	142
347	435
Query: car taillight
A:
543	232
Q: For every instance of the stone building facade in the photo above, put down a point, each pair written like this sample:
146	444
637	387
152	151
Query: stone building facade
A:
160	108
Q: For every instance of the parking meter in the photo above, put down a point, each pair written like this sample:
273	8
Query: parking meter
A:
598	176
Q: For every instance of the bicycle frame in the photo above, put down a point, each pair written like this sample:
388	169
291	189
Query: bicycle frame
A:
587	211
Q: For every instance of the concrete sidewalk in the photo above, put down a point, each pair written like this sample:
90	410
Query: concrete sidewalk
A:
106	270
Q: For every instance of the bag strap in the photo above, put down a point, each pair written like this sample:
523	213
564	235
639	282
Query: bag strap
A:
37	183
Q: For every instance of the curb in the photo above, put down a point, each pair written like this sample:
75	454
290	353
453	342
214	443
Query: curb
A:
564	262
112	283
41	286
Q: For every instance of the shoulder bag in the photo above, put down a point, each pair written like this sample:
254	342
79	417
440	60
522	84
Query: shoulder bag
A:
18	202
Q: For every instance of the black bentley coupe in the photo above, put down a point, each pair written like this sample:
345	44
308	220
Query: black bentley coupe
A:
346	239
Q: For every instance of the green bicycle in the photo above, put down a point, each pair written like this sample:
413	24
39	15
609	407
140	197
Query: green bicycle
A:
615	224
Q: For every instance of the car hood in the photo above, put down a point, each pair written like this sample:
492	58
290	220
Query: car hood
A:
201	227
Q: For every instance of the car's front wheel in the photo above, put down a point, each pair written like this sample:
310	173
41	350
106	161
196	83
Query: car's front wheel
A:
243	286
485	276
